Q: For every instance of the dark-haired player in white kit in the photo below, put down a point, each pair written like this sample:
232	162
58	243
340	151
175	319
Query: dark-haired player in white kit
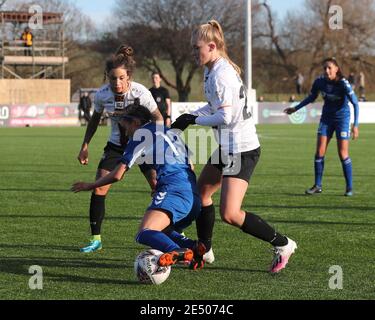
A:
114	98
232	165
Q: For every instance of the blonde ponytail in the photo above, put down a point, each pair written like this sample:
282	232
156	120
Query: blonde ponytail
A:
213	32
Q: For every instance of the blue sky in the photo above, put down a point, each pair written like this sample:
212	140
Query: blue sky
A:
99	10
282	6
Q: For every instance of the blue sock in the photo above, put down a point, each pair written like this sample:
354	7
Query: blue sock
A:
347	167
319	168
156	240
181	240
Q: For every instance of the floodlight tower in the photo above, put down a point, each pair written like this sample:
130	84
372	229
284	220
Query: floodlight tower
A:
251	93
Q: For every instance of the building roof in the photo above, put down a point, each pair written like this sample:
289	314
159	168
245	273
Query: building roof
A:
24	17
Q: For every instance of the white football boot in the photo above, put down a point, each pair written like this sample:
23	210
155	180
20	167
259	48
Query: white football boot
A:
282	255
209	257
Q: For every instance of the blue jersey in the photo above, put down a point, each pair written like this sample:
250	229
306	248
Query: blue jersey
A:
166	152
336	95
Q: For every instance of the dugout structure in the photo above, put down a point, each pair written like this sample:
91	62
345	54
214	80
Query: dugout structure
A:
36	76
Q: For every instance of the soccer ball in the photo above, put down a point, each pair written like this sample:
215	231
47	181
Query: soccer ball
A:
147	270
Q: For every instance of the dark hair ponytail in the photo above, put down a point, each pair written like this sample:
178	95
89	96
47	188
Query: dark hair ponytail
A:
137	111
332	60
123	58
125	50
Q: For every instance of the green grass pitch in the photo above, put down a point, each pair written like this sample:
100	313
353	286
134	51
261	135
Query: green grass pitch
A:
43	223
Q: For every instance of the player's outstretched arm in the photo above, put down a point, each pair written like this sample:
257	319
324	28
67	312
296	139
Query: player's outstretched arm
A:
310	99
290	110
183	121
223	116
114	176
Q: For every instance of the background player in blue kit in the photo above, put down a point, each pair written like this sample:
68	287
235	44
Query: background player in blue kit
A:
176	202
337	93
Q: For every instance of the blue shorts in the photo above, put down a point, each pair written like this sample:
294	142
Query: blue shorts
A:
183	206
342	129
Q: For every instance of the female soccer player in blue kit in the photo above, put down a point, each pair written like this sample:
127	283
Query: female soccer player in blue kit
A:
337	93
113	97
176	202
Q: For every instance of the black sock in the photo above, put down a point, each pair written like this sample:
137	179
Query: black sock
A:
172	228
168	230
205	225
97	211
260	229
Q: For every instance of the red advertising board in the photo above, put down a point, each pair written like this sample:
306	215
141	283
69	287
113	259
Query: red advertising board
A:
39	115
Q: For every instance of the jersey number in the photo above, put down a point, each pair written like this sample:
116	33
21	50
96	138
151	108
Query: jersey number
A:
246	113
170	143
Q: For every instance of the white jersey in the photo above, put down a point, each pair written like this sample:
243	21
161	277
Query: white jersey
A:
105	100
224	87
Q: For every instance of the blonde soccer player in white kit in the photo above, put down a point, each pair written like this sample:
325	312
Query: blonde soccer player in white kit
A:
114	98
231	166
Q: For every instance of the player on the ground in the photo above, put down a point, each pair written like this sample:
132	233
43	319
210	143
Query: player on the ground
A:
176	201
337	93
114	98
232	165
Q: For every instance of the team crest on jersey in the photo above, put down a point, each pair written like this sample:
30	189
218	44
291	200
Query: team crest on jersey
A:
119	102
136	92
119	105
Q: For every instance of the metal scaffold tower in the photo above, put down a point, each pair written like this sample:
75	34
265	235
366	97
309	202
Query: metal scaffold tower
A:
45	59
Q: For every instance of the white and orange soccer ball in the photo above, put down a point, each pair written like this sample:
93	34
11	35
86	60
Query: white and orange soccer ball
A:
147	270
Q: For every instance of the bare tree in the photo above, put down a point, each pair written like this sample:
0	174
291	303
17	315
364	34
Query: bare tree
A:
2	2
161	30
273	38
305	38
354	44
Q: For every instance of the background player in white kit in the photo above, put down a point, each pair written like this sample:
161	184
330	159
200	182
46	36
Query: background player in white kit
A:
231	166
114	98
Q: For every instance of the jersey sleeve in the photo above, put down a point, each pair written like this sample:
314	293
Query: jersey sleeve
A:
353	99
223	93
166	94
132	152
204	111
98	105
312	97
148	101
222	116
